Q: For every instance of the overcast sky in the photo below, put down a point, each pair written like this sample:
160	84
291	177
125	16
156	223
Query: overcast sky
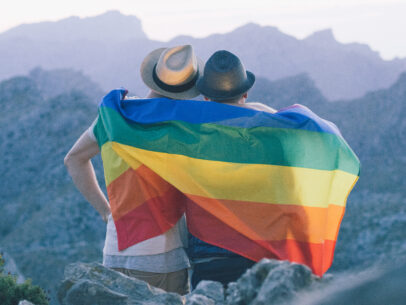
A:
379	23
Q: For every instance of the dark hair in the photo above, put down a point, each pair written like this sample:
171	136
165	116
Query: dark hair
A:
230	100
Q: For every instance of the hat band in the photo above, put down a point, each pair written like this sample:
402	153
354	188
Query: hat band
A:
175	88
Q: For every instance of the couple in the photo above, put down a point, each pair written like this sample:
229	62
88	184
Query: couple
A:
173	73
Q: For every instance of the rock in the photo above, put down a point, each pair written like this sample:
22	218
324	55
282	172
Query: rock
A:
269	282
11	267
198	299
88	284
245	289
376	287
212	290
25	302
86	293
282	283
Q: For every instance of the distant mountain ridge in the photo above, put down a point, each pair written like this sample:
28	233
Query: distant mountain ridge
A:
110	48
340	71
106	27
297	89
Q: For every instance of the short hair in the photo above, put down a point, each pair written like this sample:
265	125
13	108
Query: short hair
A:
228	100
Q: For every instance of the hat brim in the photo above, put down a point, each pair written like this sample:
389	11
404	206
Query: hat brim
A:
205	90
147	68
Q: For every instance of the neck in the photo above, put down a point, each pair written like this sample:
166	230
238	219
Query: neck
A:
240	102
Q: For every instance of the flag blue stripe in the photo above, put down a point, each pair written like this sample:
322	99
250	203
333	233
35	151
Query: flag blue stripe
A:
152	111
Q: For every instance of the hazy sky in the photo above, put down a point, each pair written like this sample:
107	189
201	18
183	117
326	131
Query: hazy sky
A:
379	23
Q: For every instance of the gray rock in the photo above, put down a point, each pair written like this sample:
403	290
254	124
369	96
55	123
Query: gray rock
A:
373	287
86	292
212	290
245	289
269	282
11	267
283	282
198	299
25	302
88	284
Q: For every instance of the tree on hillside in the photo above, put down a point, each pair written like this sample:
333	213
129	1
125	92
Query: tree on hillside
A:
11	292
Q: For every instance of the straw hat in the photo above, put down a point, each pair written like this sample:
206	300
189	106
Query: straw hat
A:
225	77
172	72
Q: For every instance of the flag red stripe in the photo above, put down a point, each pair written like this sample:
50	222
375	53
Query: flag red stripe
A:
154	217
203	225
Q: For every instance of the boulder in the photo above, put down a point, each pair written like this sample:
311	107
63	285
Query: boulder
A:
270	282
213	293
198	299
25	302
267	282
88	292
379	285
87	284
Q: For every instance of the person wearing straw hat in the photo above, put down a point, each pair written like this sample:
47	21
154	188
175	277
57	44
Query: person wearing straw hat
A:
161	261
224	80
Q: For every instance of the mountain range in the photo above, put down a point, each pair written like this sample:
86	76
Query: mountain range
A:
110	48
45	104
45	223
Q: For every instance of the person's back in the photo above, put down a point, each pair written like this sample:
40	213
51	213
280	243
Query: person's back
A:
225	80
161	261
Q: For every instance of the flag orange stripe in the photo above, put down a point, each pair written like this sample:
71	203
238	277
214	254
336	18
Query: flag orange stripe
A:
255	220
134	187
275	222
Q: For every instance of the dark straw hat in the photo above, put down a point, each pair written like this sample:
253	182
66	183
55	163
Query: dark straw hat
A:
224	77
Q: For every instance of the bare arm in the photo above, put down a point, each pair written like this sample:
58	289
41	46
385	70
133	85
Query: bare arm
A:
82	172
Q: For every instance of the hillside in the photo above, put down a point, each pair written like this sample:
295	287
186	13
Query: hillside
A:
298	89
110	48
46	224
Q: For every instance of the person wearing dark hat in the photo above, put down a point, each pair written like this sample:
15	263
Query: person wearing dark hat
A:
225	80
161	261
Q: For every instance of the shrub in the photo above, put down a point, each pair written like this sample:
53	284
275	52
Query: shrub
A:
11	292
1	264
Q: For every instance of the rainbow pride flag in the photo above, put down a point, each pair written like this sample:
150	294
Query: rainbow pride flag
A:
258	184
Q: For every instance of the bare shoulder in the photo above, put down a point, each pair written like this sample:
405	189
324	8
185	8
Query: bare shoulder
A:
84	149
260	107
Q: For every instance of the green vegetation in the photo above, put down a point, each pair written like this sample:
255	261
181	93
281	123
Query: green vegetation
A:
11	292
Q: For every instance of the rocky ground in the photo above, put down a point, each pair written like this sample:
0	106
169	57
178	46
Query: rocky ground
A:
268	282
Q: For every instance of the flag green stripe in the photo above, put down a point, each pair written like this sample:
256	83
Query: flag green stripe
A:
260	145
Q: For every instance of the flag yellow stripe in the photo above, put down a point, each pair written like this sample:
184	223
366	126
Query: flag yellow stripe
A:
279	184
114	166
